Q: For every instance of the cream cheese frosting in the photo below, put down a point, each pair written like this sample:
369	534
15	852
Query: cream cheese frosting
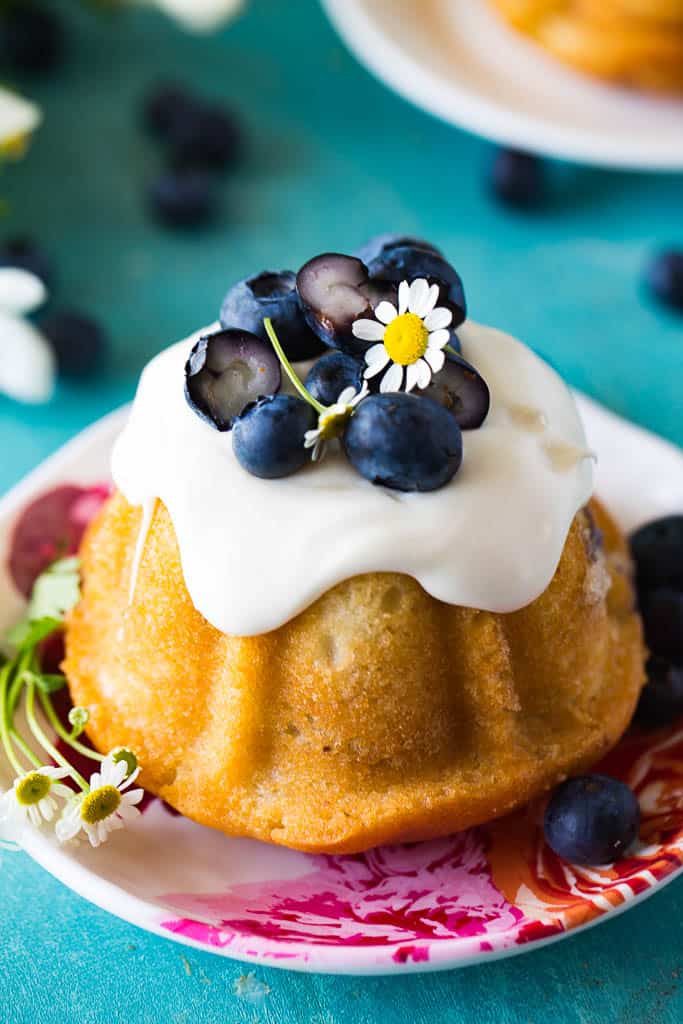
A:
257	552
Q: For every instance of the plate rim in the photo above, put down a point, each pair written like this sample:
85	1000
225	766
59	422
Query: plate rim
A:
448	954
394	65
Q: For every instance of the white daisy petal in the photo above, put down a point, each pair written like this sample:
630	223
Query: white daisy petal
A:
438	318
436	358
437	339
376	355
67	827
54	773
412	375
310	438
386	312
20	291
18	118
419	293
425	374
431	300
347	395
368	330
27	362
403	297
392	379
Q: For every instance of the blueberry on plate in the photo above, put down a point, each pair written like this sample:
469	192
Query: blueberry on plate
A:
661	700
378	246
182	199
31	38
226	372
272	294
79	342
517	178
268	438
404	442
204	136
26	254
459	388
592	819
662	612
331	374
664	277
657	550
333	292
407	263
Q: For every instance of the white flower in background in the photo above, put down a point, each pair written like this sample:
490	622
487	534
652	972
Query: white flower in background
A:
32	797
200	15
332	420
18	121
27	363
409	338
105	808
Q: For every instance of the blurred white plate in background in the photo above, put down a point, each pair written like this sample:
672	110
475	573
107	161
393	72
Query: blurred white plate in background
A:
457	60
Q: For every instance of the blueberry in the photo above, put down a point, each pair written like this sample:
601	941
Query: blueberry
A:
333	294
268	438
332	374
664	277
661	700
657	550
461	390
517	178
80	344
272	294
164	106
403	441
204	137
592	819
227	371
662	612
182	198
27	255
31	38
380	245
406	263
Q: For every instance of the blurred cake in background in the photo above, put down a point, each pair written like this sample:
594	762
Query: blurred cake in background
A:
632	42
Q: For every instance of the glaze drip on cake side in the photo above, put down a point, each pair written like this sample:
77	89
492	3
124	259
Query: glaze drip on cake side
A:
257	552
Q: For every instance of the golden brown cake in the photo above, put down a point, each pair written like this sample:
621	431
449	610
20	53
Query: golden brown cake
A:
633	42
378	714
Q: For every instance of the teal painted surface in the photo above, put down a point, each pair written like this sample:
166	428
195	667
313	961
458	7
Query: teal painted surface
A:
333	157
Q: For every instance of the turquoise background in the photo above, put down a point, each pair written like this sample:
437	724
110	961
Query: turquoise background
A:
332	158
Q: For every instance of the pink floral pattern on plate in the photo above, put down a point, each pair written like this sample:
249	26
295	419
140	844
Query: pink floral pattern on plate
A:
476	892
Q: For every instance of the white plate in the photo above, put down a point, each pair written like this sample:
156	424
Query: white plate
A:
456	59
421	907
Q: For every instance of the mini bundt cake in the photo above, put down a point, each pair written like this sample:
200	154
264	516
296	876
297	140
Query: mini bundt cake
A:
416	634
377	715
631	42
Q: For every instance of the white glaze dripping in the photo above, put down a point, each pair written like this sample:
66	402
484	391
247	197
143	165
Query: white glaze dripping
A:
257	552
148	507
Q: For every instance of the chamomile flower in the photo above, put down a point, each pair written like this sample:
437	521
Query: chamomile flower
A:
18	120
332	420
106	807
409	340
34	796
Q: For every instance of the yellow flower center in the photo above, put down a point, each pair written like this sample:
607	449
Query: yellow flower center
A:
100	804
332	422
33	788
406	338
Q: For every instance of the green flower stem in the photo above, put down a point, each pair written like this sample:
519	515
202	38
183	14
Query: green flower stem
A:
451	351
45	743
289	369
51	714
25	749
18	683
5	674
